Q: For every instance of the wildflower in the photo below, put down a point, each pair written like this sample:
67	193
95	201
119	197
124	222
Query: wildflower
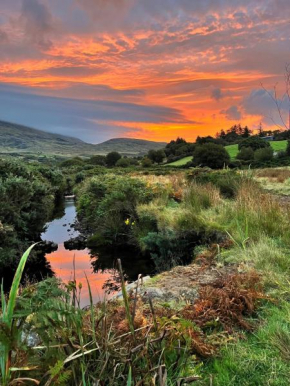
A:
127	222
133	223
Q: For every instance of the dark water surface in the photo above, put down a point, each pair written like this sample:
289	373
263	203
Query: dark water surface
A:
97	266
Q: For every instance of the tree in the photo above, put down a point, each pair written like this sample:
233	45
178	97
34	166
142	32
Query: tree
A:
159	156
156	155
211	155
246	132
246	154
288	149
112	158
254	142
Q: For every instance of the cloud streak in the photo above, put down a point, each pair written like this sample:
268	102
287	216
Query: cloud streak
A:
162	68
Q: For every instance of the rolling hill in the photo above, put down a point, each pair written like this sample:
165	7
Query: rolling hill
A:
17	139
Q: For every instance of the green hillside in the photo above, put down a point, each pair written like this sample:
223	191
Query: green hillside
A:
276	145
233	151
20	140
180	162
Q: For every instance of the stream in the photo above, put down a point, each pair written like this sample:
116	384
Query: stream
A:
98	267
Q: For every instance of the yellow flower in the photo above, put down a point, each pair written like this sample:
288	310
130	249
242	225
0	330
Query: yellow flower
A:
127	222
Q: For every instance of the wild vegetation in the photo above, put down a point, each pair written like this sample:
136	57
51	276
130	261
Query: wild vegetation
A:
230	226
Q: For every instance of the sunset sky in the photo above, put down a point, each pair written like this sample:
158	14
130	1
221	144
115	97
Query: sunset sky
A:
153	69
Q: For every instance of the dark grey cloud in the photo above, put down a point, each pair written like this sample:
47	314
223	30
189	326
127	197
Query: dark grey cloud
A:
217	94
84	119
3	37
36	21
233	113
261	102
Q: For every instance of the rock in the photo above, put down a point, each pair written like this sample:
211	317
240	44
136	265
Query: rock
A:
153	293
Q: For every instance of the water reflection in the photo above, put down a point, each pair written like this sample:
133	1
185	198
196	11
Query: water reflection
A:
67	264
99	265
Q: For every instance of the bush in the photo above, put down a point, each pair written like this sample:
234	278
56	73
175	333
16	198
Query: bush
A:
211	155
246	154
169	249
97	160
146	162
265	154
76	161
123	162
254	143
108	204
79	177
227	181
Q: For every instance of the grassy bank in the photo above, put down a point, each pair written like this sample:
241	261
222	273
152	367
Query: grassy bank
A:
232	330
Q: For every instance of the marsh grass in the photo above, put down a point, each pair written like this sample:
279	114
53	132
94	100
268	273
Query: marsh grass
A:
261	358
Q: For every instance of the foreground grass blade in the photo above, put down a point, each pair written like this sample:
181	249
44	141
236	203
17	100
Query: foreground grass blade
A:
14	288
7	318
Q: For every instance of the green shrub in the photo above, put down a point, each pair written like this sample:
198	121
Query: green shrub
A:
123	162
76	161
265	154
107	206
146	162
80	176
169	249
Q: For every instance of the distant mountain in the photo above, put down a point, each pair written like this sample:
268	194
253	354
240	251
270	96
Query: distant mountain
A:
17	139
128	146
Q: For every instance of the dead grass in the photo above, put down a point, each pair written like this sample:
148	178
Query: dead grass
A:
277	174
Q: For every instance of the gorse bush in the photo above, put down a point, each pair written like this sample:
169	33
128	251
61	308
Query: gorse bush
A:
108	205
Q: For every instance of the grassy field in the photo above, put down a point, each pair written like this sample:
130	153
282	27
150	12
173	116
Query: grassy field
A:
180	162
233	151
276	145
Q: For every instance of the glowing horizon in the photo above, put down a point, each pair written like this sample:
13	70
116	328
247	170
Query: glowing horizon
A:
97	69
